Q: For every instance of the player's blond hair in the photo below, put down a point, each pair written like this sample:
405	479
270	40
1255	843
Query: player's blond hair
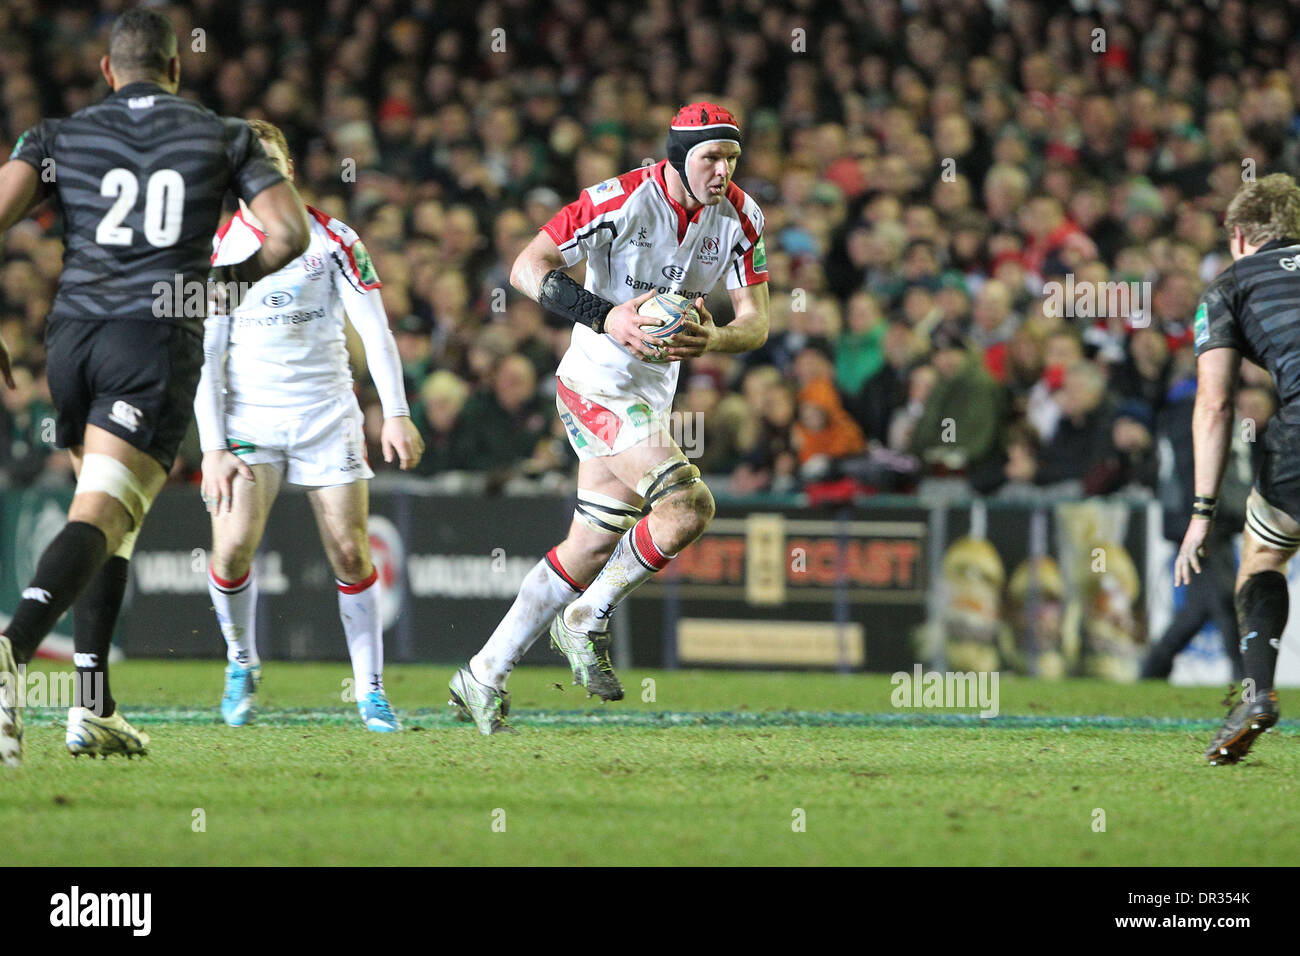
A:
271	134
1266	210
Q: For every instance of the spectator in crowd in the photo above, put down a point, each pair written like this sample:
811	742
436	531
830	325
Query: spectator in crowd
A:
859	354
712	425
414	348
442	396
1173	302
886	392
1061	350
1053	243
1132	463
1024	451
920	384
1081	440
772	464
824	433
958	434
1018	367
1144	375
501	425
992	321
526	324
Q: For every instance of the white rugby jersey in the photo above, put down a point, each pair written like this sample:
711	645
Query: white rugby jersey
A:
635	238
285	345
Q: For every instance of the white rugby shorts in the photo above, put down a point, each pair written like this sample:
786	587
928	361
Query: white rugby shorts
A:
602	424
315	445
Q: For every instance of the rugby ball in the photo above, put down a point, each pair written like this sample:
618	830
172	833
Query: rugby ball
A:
669	313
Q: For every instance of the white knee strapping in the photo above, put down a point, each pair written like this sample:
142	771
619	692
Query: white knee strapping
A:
666	477
1261	519
605	513
104	473
127	547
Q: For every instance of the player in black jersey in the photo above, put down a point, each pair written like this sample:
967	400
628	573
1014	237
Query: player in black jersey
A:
1252	310
141	178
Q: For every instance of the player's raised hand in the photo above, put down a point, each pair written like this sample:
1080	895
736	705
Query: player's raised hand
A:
694	338
6	368
400	437
219	470
623	325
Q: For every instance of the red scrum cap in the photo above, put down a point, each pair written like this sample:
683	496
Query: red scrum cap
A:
695	125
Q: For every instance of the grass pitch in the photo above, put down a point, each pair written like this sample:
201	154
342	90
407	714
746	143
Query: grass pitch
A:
718	768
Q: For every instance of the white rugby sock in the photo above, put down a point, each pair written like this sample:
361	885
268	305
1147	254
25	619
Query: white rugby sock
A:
547	588
634	560
363	625
236	605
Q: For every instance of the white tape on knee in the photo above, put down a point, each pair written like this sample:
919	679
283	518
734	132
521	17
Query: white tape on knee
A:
127	547
604	513
665	478
1261	519
104	473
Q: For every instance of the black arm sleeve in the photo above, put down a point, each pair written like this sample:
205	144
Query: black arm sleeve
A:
563	296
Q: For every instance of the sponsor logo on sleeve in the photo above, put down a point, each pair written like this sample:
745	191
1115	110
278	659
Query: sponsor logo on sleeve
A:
1202	325
365	267
603	192
760	256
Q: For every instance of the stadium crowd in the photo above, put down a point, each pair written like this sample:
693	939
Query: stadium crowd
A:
934	174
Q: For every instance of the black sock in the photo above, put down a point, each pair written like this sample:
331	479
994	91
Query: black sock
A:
1262	606
65	568
95	616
